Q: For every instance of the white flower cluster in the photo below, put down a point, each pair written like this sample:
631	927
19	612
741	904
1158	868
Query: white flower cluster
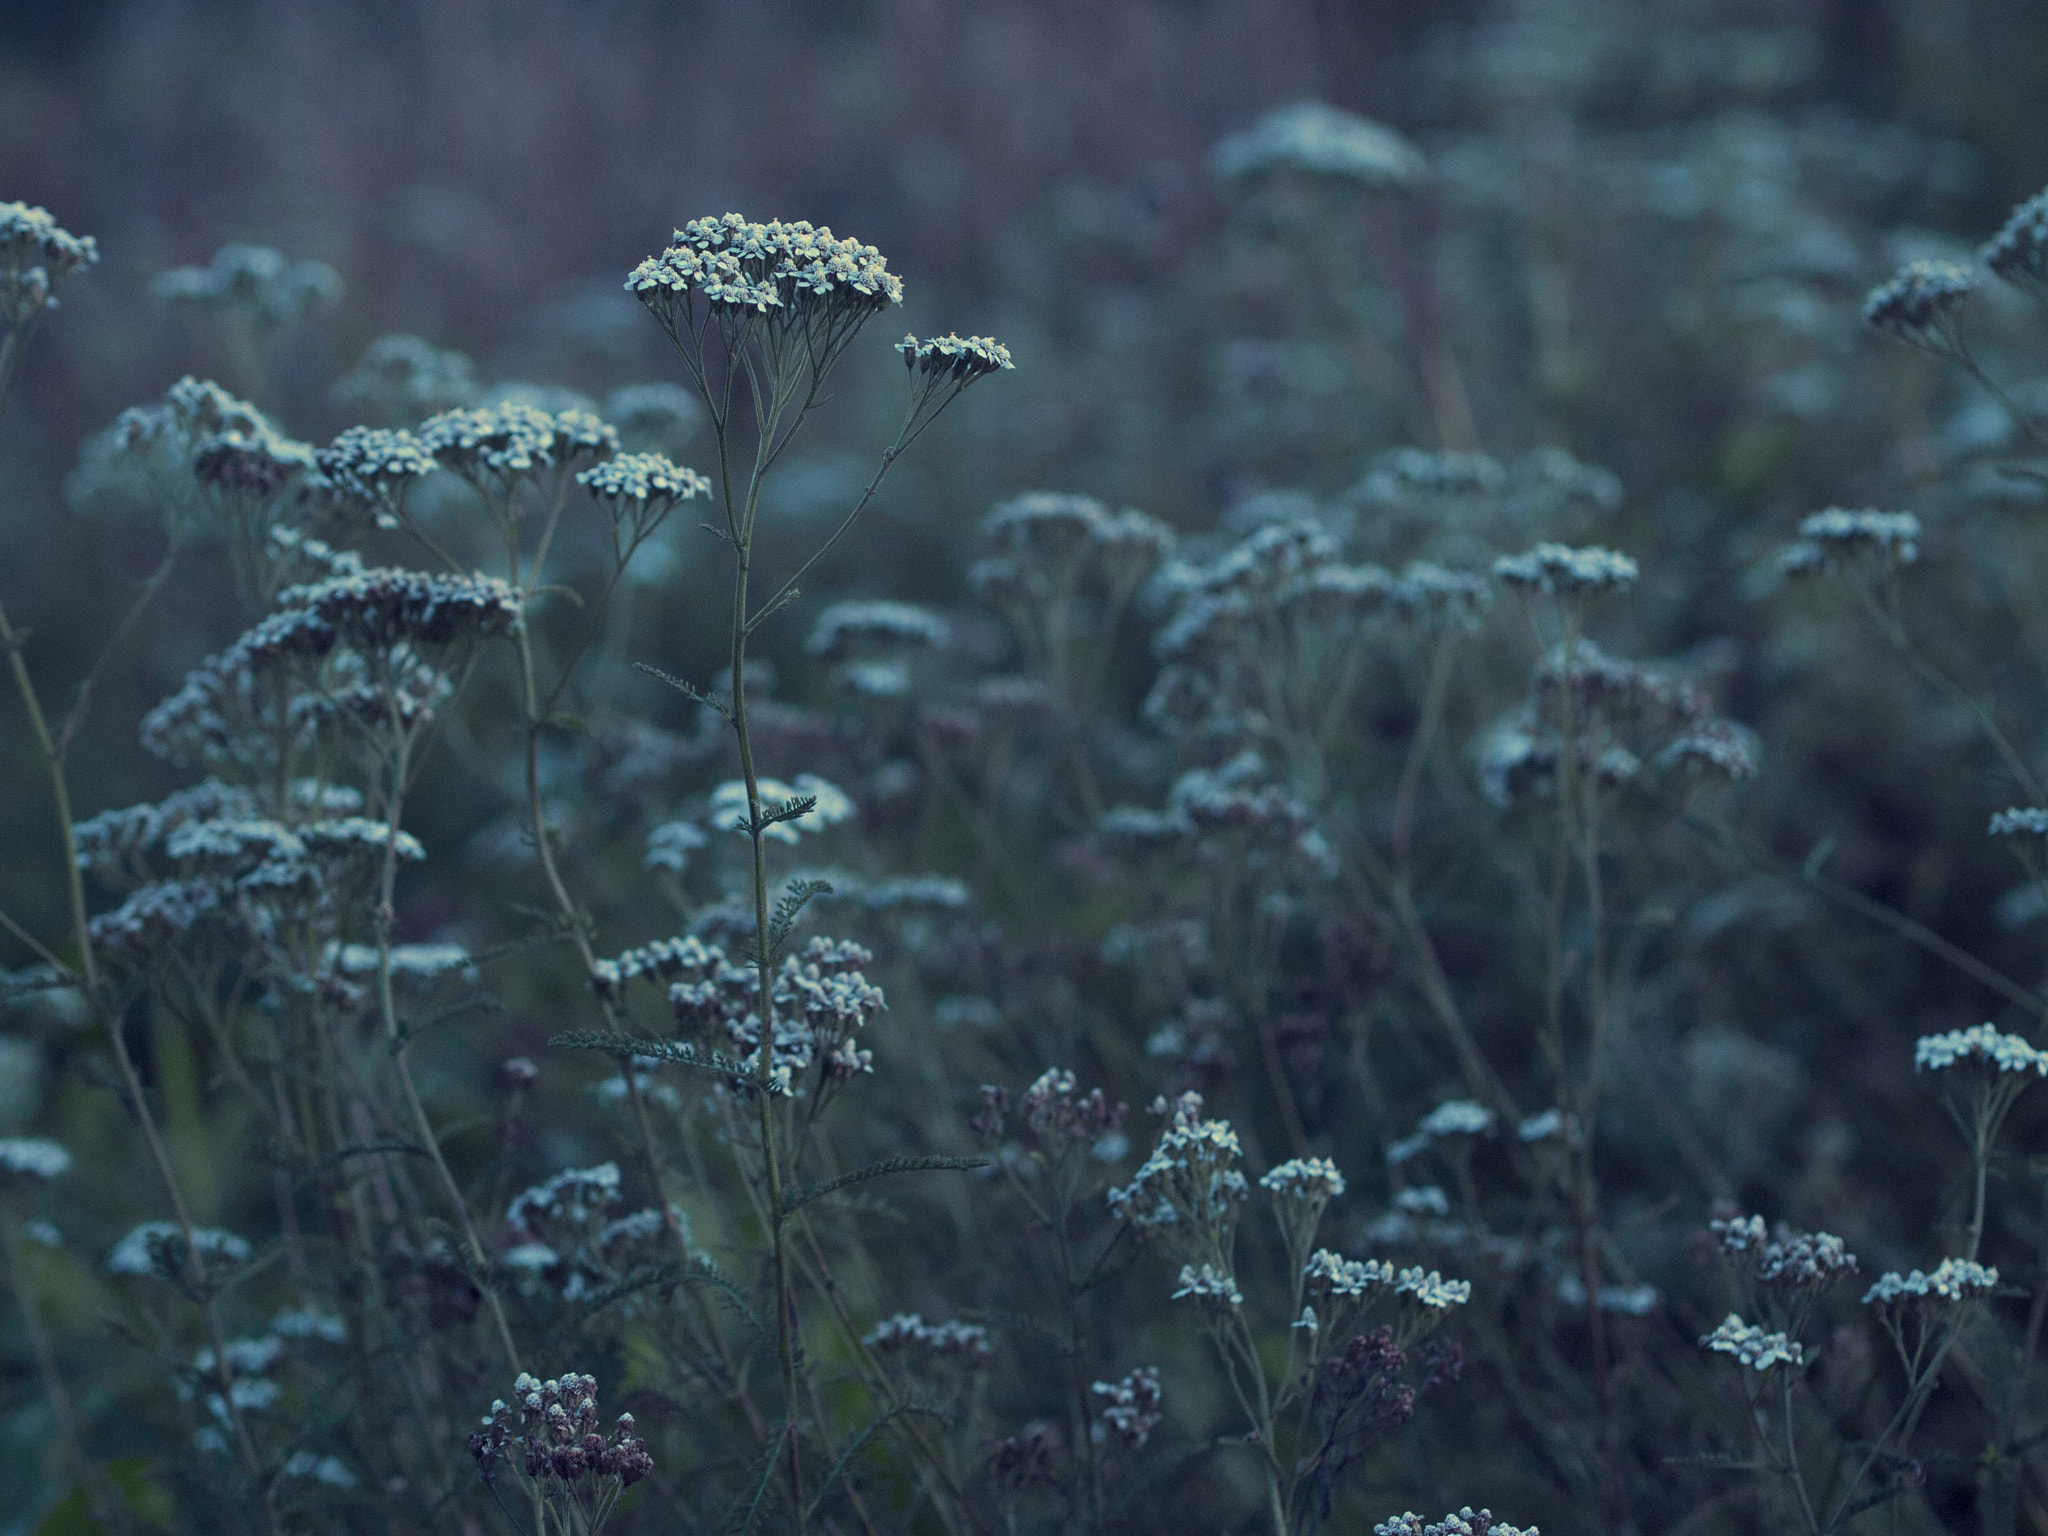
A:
259	284
1351	1279
1463	1523
907	1330
1312	138
371	467
35	255
642	484
1131	1407
959	359
1751	1346
407	378
729	806
575	1195
1918	303
2020	821
136	1254
739	265
2019	251
500	443
31	1157
1453	1117
1208	1283
1982	1045
1305	1178
1432	1289
1567	572
1831	540
1954	1280
1189	1177
845	627
688	958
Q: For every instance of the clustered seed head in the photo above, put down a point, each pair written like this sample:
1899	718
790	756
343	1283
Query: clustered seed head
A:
967	1342
1920	302
1063	1116
552	1425
959	359
1208	1283
2019	252
1751	1346
1979	1045
255	464
1311	138
1190	1175
1566	572
688	958
1131	1407
735	264
1463	1523
35	256
821	1000
1954	1281
153	1248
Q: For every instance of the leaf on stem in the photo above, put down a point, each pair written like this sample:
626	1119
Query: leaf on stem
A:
796	1199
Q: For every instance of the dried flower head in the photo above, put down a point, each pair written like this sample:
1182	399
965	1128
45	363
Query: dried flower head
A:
370	469
1920	304
23	1158
1836	540
732	264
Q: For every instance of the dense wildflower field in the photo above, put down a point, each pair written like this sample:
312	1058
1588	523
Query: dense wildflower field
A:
1256	769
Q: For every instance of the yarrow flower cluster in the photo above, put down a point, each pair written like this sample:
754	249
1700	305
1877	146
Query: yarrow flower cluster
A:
549	1433
1981	1045
498	444
35	256
1062	1116
1566	572
951	1340
1835	539
370	468
1920	302
844	628
23	1158
956	359
1208	1283
254	283
1331	1274
2020	821
1751	1346
1463	1523
642	487
1954	1281
1131	1408
1314	139
1431	1289
2019	251
153	1248
1453	1117
734	264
